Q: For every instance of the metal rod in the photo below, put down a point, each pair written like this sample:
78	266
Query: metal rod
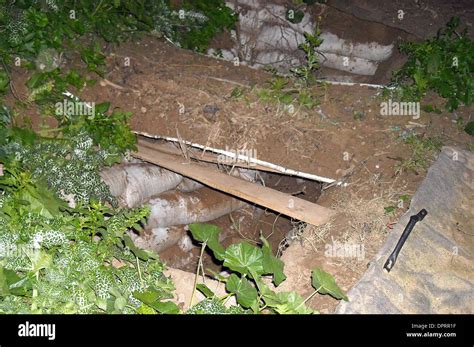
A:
411	224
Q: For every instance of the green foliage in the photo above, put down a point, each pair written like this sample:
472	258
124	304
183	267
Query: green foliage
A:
294	15
109	131
326	284
423	150
70	162
214	306
42	32
248	264
469	128
76	258
4	81
295	90
209	234
305	72
55	259
32	25
443	64
200	21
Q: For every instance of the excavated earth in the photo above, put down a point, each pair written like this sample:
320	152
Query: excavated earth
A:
177	93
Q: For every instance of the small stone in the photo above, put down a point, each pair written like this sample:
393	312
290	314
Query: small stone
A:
143	109
211	108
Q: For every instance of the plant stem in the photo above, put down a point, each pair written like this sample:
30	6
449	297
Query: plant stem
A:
309	297
139	272
203	246
97	8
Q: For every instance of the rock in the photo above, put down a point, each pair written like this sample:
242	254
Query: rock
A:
433	273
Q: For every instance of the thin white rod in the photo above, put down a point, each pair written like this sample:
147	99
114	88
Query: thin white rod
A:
241	157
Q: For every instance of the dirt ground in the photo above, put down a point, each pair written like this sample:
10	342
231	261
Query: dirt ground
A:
173	92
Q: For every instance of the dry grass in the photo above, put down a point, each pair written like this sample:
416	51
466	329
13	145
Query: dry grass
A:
360	217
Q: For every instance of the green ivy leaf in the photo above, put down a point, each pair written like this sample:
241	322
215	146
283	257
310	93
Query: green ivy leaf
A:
151	299
20	286
147	297
102	108
269	296
165	307
291	303
4	287
42	200
205	290
120	303
139	253
145	309
246	294
244	258
271	264
209	234
469	128
324	283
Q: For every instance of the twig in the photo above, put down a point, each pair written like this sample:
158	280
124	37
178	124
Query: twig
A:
226	80
10	82
116	86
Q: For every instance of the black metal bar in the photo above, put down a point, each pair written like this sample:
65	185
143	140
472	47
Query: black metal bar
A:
411	224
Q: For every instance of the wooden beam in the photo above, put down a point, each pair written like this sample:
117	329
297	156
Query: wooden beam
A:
277	201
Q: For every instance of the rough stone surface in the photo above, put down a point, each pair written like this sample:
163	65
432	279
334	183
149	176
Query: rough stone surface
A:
422	18
434	271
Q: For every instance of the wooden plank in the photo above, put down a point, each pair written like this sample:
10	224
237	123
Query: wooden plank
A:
286	204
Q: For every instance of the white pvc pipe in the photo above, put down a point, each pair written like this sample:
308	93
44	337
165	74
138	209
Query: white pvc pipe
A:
241	157
351	84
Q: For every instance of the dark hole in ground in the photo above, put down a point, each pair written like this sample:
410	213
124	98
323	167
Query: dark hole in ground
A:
248	224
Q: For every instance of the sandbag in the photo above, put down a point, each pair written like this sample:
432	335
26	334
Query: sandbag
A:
134	184
202	205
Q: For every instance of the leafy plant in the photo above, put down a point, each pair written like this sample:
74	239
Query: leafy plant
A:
248	265
469	128
305	72
295	90
55	259
200	20
41	33
443	64
422	152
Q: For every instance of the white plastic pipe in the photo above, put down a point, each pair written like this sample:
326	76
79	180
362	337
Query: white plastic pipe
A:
241	157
